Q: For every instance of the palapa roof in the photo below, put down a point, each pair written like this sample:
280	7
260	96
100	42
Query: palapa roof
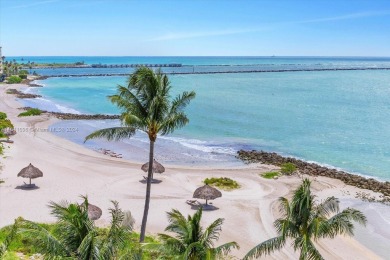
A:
30	172
207	192
94	212
157	167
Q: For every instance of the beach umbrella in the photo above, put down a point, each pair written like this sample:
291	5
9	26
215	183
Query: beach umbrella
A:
30	172
207	192
94	212
157	167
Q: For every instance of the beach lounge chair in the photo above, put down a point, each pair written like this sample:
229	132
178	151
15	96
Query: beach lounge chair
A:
193	203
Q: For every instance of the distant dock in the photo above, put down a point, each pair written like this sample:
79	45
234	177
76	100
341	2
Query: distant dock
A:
216	72
167	65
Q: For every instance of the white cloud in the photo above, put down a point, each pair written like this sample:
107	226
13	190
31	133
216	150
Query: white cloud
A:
198	34
347	17
34	4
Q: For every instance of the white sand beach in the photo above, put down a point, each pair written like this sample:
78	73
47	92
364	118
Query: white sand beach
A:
71	170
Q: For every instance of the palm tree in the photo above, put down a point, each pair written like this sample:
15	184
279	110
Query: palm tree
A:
75	235
305	221
191	242
146	106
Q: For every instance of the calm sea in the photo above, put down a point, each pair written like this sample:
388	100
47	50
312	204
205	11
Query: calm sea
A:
338	118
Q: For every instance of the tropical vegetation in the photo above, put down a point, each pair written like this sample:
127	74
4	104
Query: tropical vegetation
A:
304	221
222	183
190	241
14	79
75	235
288	168
147	106
270	175
5	123
31	112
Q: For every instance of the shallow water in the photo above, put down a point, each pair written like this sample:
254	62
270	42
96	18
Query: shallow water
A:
336	118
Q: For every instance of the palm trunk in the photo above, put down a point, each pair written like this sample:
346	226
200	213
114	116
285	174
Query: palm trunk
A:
148	188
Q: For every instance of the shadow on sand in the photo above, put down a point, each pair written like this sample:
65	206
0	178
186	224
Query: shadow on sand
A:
154	181
27	187
208	207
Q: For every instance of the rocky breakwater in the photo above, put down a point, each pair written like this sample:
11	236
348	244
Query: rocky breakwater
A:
69	116
20	94
313	169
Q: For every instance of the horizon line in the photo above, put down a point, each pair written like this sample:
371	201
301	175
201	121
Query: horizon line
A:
212	56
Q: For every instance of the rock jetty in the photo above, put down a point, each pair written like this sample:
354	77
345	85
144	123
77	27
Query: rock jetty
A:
20	94
70	116
313	169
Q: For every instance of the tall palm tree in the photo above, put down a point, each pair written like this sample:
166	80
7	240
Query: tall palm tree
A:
191	241
76	237
146	106
305	221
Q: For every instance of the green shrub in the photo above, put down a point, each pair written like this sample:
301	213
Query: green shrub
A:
3	115
23	72
288	168
223	183
269	175
23	76
27	245
14	80
5	123
31	112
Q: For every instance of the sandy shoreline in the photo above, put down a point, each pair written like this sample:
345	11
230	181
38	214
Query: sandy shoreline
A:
71	170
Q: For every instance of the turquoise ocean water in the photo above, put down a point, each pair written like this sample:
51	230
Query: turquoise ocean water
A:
337	118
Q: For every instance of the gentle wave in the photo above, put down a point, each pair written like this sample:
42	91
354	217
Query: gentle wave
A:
203	146
48	105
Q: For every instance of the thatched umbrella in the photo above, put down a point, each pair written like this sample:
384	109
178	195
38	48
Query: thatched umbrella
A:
157	167
30	172
207	192
94	212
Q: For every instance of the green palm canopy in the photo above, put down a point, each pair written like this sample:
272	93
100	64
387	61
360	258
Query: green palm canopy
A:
147	106
191	241
75	236
305	221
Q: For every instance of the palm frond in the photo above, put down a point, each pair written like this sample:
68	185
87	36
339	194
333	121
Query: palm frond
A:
173	122
225	249
310	252
172	244
126	94
117	233
44	239
5	244
195	250
181	101
88	248
267	247
329	206
211	233
114	133
341	223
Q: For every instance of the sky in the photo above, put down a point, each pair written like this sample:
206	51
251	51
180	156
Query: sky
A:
195	27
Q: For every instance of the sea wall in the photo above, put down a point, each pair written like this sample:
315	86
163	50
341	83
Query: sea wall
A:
313	169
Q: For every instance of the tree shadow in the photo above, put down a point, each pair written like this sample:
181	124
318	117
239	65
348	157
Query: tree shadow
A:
154	181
